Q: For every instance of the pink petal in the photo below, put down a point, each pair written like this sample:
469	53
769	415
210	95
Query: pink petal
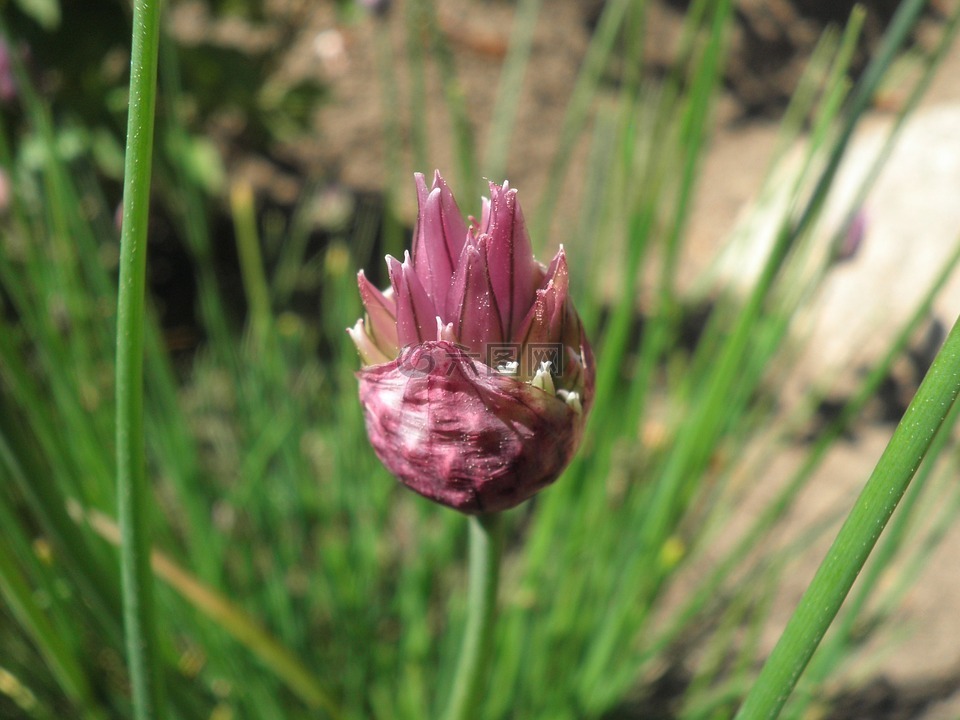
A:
546	318
553	319
484	226
438	239
513	271
476	317
416	315
459	434
382	315
571	332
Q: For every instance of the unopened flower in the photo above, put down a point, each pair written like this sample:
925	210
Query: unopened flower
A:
477	374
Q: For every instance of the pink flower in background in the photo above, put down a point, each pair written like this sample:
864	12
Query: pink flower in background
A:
477	375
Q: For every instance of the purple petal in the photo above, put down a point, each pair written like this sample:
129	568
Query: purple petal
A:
476	318
416	315
513	271
382	315
458	434
554	320
438	239
547	316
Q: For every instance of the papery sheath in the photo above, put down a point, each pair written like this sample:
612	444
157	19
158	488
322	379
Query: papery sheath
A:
457	434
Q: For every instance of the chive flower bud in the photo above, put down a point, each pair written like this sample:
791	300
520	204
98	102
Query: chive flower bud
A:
477	374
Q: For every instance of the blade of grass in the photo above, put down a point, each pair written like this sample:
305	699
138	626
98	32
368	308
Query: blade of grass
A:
23	459
694	444
920	556
509	90
692	137
934	61
836	648
903	22
54	647
775	510
455	98
234	620
695	119
859	534
417	97
133	491
578	109
851	33
392	135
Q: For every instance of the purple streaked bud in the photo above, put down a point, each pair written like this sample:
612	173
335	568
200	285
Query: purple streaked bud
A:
477	374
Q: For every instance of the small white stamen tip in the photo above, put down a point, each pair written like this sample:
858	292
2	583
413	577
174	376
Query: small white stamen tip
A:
543	379
572	399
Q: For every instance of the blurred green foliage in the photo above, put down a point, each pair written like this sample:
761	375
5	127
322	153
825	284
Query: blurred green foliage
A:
295	579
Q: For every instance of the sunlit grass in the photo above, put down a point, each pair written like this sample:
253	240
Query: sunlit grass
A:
294	578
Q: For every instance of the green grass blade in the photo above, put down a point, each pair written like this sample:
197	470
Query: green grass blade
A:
578	108
859	533
509	91
22	601
133	491
232	618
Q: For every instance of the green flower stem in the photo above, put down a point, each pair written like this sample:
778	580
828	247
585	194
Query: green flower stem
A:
132	488
859	534
486	545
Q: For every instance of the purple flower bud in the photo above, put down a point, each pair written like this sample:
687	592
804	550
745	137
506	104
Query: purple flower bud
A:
477	373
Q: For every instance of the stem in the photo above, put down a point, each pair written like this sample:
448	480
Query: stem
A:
854	542
486	544
132	488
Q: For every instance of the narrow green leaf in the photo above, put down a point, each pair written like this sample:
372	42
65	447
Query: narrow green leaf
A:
133	491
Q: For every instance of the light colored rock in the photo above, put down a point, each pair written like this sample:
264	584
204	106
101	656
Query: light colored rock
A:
912	226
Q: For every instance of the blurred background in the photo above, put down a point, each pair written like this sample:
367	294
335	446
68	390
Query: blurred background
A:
745	392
